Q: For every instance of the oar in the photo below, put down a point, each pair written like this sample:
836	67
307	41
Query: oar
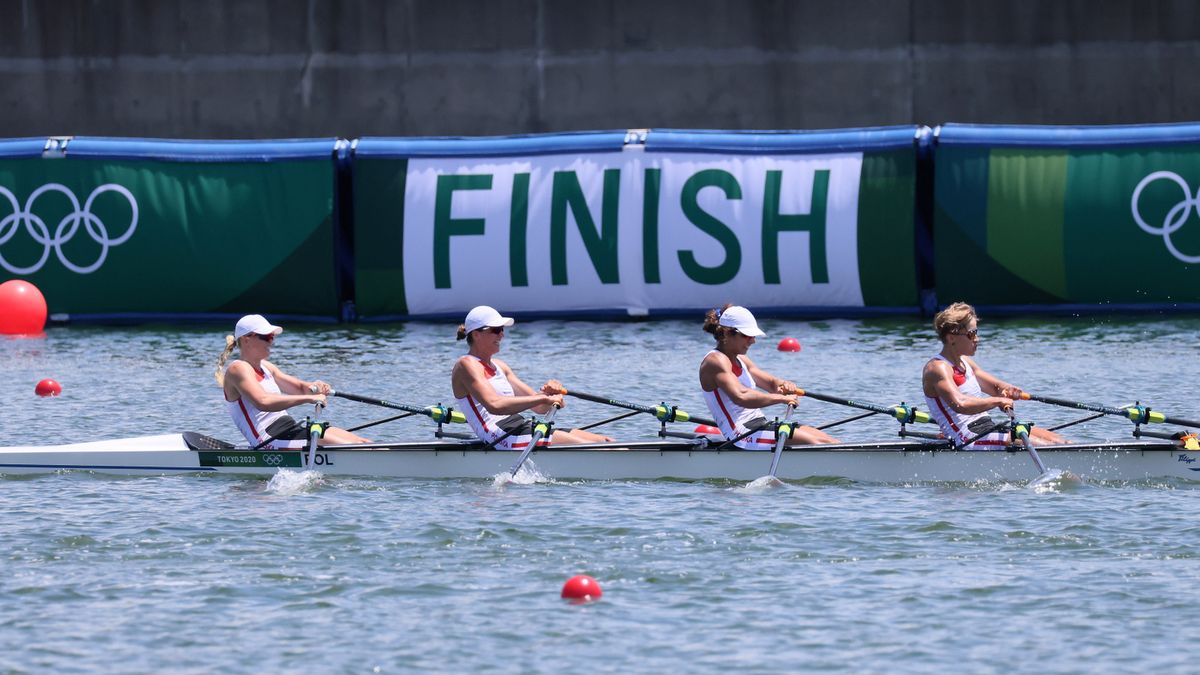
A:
1138	414
782	433
1020	431
662	413
539	431
905	414
437	413
316	430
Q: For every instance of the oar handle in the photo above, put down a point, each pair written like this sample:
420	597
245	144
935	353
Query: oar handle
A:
312	389
437	413
663	412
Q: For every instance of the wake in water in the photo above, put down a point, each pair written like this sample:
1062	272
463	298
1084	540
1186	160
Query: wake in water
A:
286	482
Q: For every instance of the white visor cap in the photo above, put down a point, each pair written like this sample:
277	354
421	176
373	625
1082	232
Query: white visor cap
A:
255	323
741	320
483	316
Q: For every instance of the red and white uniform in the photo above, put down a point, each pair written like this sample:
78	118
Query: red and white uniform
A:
731	418
956	425
253	422
487	424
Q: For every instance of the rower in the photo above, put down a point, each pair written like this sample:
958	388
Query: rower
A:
959	393
736	389
257	392
491	395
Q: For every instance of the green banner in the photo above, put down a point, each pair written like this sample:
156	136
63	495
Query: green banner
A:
1061	226
634	232
115	236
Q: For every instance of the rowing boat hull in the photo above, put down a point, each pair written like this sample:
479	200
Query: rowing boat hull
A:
896	462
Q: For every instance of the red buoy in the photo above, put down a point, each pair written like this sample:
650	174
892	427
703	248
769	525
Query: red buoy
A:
48	387
581	588
22	308
789	344
706	429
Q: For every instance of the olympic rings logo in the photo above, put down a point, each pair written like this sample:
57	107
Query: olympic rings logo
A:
1175	218
66	228
272	459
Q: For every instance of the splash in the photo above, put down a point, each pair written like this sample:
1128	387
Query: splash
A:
1055	480
528	474
761	485
286	482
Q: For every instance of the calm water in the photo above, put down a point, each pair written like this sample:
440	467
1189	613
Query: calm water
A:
305	573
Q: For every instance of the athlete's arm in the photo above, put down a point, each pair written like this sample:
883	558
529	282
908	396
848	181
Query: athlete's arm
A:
470	378
244	380
938	382
990	384
768	382
717	369
290	384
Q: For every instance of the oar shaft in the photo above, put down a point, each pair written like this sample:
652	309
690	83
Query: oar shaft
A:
608	401
782	433
539	431
1074	404
1021	433
902	413
437	413
662	412
1136	414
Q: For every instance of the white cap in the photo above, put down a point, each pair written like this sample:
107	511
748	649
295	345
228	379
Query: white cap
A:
255	323
740	319
485	316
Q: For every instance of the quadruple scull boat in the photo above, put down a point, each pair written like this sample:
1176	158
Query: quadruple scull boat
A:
691	458
914	457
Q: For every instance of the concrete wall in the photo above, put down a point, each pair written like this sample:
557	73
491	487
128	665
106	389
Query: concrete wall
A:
299	68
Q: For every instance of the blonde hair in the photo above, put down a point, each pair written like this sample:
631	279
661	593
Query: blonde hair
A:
712	323
230	343
954	318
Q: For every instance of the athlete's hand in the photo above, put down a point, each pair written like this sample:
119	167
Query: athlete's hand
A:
788	388
789	400
553	387
1011	392
1005	404
321	387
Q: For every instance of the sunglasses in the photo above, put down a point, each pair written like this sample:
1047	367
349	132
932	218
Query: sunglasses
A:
269	337
972	334
493	330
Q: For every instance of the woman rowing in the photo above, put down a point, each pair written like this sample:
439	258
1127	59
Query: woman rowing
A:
736	389
959	393
491	395
257	392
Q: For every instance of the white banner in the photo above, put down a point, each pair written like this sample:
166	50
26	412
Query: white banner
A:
631	231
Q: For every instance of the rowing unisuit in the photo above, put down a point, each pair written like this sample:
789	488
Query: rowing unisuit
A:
959	427
489	426
733	419
252	422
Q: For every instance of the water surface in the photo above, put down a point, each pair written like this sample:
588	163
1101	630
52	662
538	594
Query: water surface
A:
310	573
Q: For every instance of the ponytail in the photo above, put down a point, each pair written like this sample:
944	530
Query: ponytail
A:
230	342
462	333
712	323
